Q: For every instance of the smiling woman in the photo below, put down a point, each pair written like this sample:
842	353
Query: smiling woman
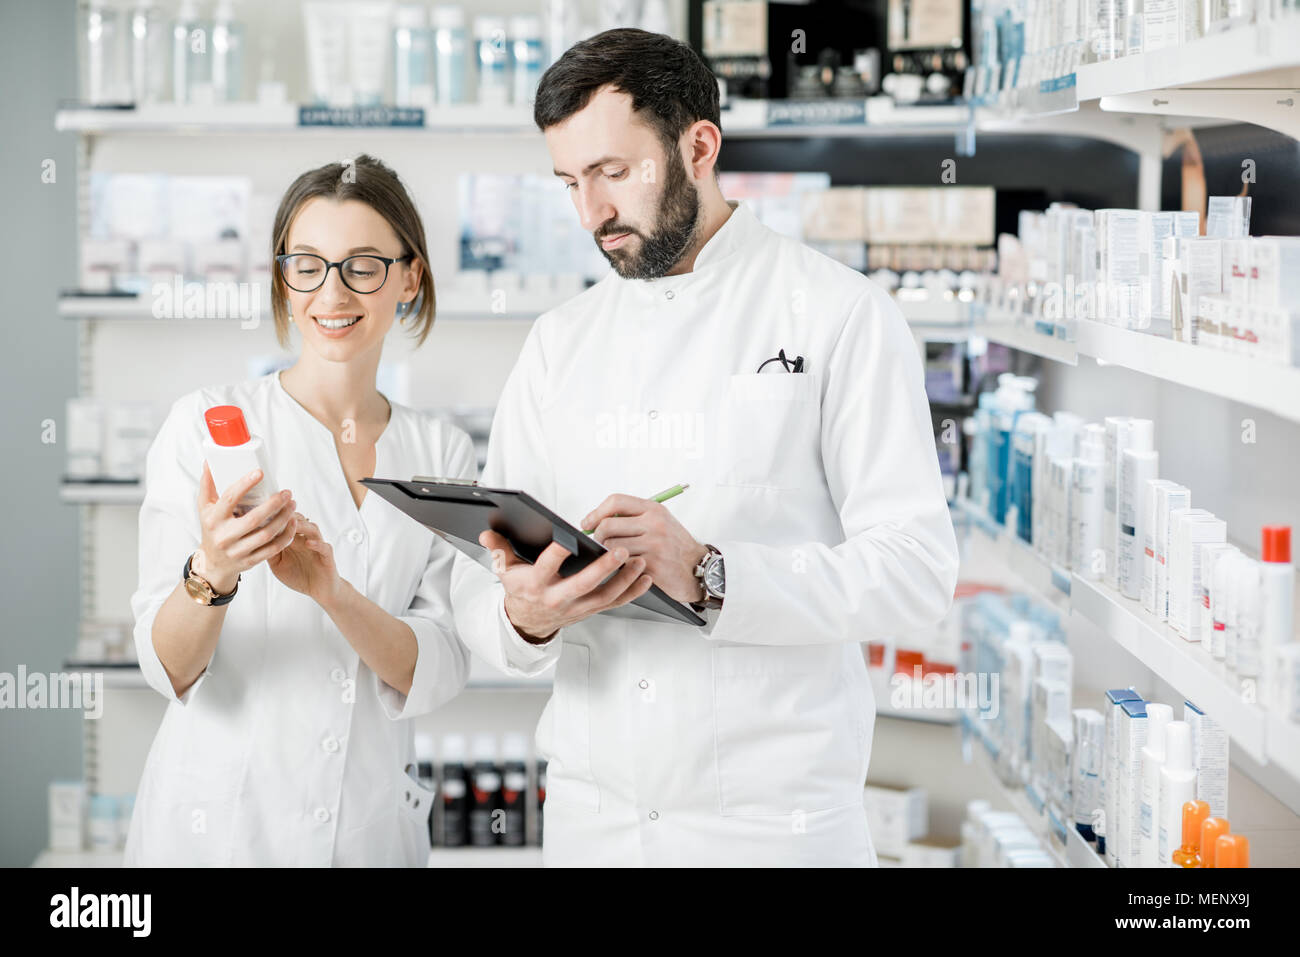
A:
286	744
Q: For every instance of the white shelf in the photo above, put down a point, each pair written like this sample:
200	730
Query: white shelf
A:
78	859
1217	59
102	493
530	856
169	118
1272	387
1184	665
453	308
1067	847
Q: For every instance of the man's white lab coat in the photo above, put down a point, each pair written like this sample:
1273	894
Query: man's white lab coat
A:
745	741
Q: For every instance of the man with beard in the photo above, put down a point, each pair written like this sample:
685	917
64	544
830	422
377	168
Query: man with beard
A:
815	518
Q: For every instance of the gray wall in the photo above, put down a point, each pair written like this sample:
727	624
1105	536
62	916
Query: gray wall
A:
39	590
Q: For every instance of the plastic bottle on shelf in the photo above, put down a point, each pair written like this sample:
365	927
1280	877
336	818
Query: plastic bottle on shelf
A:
1177	787
455	792
1276	608
227	54
493	61
1232	850
485	793
451	54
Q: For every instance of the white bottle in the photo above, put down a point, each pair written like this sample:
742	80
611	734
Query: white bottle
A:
1250	649
1177	787
1159	716
232	453
1276	602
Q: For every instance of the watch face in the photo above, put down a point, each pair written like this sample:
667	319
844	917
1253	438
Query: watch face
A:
714	579
199	591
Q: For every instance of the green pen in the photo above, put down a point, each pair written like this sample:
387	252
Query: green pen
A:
662	497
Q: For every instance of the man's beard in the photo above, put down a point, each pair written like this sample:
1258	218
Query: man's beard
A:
674	229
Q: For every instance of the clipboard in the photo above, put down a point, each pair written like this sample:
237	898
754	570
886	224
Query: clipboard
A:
460	511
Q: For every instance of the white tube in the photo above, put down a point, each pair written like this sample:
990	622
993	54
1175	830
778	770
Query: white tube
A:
1177	787
1159	716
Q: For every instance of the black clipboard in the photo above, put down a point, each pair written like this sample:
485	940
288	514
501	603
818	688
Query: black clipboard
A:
461	511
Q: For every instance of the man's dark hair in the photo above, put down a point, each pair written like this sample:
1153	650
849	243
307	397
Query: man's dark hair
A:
668	82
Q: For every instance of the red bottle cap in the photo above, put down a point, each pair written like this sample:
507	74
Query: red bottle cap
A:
1276	544
226	425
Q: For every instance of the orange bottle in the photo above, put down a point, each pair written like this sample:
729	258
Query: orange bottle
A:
1233	850
1194	814
1212	828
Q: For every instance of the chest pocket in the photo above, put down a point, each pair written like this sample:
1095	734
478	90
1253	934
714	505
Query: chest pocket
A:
769	426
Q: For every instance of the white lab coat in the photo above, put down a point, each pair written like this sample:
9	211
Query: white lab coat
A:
745	741
289	750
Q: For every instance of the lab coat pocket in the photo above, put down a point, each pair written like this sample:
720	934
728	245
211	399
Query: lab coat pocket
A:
565	732
768	430
414	804
786	730
193	814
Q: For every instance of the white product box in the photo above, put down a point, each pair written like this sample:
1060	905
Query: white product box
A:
1110	765
1153	228
1210	758
1168	498
1148	597
128	435
1227	217
1275	271
1131	736
930	853
1189	528
84	439
895	816
103	262
67	815
1200	272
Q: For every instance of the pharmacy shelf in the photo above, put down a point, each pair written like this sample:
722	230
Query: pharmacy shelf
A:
225	118
1185	666
1066	845
1025	338
1272	387
102	493
453	308
78	859
1217	59
1050	582
117	674
485	857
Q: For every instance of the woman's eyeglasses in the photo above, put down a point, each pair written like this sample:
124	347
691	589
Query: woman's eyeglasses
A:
306	272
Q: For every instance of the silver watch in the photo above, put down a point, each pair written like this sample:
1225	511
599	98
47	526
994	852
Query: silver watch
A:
713	578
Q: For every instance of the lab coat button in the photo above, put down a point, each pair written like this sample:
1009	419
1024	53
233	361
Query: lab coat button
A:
643	684
322	815
354	536
669	294
654	413
338	675
330	744
654	815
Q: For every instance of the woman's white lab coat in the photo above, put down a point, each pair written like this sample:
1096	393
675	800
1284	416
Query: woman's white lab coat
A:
288	750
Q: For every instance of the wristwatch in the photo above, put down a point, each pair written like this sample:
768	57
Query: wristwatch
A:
202	592
713	579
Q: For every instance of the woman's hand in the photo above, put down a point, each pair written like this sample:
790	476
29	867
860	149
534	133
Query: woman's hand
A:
232	544
307	565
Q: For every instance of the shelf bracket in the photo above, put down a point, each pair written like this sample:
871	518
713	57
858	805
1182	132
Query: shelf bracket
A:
1274	109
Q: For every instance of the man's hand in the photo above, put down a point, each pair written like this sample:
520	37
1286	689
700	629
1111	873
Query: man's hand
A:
647	529
539	602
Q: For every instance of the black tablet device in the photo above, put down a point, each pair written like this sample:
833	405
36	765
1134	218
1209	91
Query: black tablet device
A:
461	511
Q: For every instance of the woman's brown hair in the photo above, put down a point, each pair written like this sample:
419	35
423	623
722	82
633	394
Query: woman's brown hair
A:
369	181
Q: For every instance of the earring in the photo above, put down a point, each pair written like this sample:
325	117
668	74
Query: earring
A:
402	309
